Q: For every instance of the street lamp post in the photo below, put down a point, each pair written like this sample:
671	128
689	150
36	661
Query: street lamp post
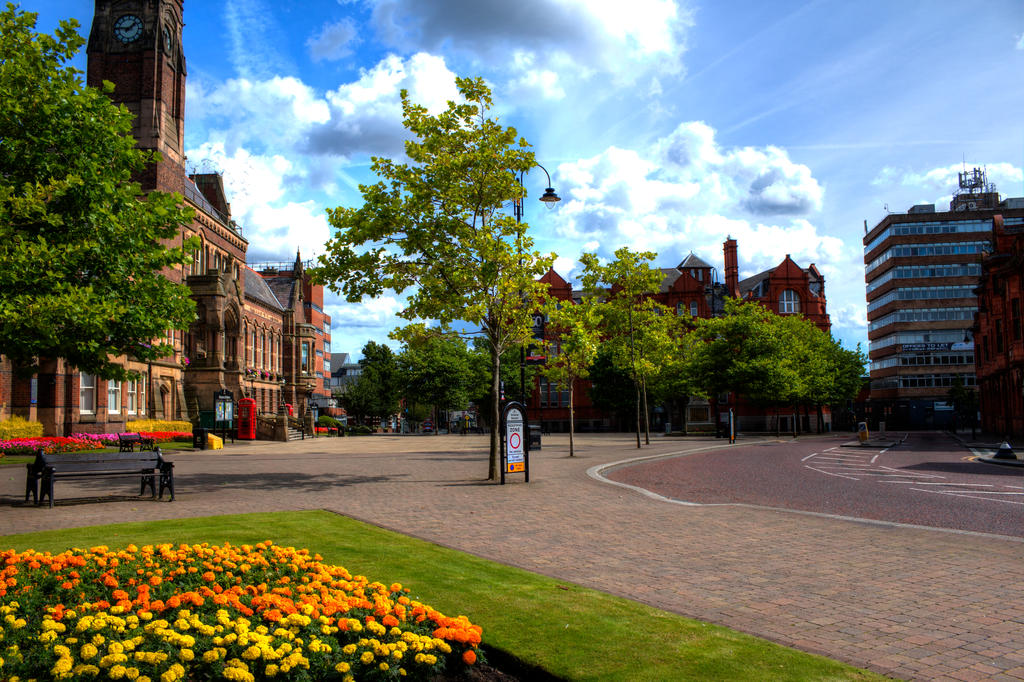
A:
550	198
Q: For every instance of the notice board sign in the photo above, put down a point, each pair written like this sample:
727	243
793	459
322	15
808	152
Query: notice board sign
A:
515	456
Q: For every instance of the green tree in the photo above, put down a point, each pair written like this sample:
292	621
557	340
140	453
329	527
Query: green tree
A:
480	378
82	248
638	329
380	380
611	389
827	373
438	227
570	357
675	382
436	372
744	352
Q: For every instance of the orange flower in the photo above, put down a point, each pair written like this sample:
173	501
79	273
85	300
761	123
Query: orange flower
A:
469	657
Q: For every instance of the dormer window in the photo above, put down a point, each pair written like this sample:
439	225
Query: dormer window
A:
789	302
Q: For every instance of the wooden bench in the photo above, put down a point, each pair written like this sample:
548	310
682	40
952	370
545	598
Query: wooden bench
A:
147	465
126	442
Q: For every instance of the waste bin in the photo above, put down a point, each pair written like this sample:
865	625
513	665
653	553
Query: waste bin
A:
199	438
534	436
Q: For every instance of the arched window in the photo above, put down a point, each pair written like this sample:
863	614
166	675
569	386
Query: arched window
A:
789	302
680	307
693	309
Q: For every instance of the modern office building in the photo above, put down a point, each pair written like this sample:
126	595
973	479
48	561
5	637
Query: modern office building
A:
921	269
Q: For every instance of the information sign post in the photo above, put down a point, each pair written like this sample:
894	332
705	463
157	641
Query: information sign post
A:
224	412
515	456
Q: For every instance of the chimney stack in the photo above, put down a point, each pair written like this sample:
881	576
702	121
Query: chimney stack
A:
732	269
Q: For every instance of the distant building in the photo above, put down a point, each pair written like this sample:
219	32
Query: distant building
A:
999	330
921	271
694	288
343	371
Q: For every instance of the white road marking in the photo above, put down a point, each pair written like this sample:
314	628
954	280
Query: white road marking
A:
829	473
973	497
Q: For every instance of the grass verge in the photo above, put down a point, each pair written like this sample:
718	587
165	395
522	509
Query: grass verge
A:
569	631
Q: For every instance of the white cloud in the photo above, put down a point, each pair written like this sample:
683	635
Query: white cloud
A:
589	35
937	185
366	116
259	114
675	192
1020	42
353	324
687	193
255	187
849	315
334	41
532	82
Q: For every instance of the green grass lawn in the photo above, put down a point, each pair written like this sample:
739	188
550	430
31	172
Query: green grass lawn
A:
568	631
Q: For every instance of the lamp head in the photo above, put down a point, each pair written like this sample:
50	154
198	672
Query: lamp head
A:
550	198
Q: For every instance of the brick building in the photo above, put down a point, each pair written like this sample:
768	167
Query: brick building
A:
921	270
999	331
694	288
257	334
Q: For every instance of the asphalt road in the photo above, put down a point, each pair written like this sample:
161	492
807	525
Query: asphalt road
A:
929	480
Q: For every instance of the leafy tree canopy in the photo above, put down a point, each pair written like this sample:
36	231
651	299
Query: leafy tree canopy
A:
82	250
437	229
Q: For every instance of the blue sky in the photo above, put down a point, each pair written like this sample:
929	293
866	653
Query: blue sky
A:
667	125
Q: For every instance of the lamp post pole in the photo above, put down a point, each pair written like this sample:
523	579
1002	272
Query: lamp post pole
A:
550	198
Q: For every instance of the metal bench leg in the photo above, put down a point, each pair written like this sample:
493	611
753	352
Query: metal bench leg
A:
167	479
46	489
148	480
32	485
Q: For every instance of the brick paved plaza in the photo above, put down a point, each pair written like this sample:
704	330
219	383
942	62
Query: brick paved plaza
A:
909	602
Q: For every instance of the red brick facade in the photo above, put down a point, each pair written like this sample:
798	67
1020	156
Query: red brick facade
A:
999	333
252	330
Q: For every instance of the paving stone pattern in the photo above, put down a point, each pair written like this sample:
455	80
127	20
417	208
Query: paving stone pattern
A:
907	602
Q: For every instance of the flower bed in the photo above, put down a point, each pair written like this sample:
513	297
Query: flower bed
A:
30	446
206	612
80	441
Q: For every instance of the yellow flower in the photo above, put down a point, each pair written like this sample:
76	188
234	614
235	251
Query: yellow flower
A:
367	657
348	650
383	667
117	672
342	667
186	655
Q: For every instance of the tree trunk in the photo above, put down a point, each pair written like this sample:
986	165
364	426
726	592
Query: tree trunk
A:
494	470
796	419
683	416
572	420
821	418
647	415
636	385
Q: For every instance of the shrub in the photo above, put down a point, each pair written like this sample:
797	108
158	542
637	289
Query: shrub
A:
359	430
140	425
328	421
204	612
19	427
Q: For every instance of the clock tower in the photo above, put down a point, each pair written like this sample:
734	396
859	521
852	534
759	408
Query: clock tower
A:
136	45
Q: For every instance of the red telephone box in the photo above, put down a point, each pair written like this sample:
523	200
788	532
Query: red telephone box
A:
247	419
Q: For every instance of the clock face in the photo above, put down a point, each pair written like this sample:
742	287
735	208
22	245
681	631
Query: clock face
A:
168	42
128	28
